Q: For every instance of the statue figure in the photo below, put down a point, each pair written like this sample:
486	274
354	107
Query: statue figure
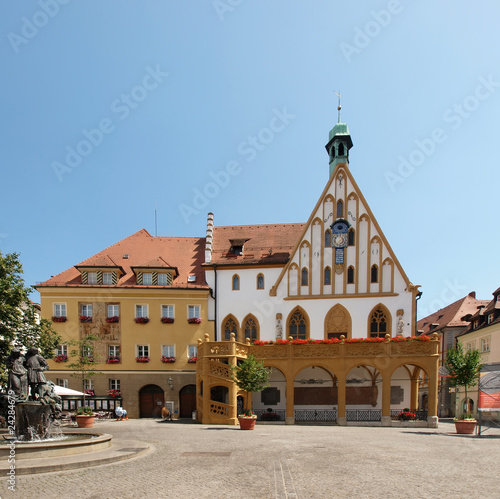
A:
36	364
48	396
279	329
400	326
18	379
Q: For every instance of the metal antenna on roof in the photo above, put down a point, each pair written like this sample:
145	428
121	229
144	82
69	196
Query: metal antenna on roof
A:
156	221
339	107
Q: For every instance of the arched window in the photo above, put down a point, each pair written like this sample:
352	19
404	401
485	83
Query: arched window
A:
236	282
251	329
340	209
328	238
297	325
337	323
328	276
378	323
374	274
260	281
351	237
305	279
229	327
350	275
341	149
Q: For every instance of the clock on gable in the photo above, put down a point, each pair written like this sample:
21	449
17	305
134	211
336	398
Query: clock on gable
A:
340	228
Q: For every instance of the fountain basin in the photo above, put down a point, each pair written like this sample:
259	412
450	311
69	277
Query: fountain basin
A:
90	442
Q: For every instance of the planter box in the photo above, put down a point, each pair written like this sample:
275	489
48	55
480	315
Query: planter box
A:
465	426
247	422
85	421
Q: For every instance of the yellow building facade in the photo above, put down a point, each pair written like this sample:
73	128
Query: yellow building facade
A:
146	325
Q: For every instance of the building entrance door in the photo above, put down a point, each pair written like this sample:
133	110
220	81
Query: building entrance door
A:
151	401
187	401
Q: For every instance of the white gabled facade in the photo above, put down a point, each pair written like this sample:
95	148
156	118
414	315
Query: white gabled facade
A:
337	280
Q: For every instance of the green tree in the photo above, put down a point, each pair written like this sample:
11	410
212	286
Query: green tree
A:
84	361
251	376
463	367
20	324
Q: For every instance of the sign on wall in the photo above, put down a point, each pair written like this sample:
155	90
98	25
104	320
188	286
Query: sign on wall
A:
489	388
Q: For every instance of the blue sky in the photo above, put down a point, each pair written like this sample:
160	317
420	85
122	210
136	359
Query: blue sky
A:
111	107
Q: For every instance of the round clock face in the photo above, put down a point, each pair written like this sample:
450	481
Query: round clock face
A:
340	240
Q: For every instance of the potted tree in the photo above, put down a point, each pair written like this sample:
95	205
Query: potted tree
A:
463	367
251	376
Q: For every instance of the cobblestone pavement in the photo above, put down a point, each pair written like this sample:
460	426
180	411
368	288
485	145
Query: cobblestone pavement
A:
200	461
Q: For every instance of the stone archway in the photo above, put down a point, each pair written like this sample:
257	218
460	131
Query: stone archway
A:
151	401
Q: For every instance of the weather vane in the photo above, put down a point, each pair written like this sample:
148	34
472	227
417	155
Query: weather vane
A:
339	107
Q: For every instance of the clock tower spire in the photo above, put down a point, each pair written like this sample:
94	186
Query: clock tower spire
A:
339	142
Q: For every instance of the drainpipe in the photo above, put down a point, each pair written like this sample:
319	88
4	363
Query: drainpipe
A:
419	295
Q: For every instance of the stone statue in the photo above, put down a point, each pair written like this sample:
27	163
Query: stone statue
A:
18	377
279	329
36	364
400	326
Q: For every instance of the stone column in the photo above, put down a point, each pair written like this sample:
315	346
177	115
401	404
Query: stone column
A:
386	398
341	391
290	399
432	418
233	389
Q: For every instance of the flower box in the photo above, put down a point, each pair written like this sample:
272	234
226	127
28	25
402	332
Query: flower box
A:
167	320
115	318
113	360
89	392
194	320
85	318
114	393
168	360
59	318
142	359
192	360
60	358
406	416
142	320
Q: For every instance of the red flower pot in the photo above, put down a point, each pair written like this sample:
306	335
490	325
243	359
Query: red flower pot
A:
465	426
247	422
85	421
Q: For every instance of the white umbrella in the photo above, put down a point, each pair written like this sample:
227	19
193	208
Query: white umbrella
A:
61	390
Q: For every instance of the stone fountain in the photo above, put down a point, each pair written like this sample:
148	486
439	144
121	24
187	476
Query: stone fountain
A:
31	404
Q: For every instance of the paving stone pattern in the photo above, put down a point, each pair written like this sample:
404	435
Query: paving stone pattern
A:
277	461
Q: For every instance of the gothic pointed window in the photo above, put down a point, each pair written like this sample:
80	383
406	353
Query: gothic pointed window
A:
328	276
304	277
328	238
374	274
351	237
236	282
297	325
260	281
350	275
250	327
378	323
340	209
230	327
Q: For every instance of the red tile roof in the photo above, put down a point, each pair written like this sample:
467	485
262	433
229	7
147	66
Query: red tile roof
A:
451	316
144	250
262	244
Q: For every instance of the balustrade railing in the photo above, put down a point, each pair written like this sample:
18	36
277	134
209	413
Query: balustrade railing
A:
315	415
363	414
